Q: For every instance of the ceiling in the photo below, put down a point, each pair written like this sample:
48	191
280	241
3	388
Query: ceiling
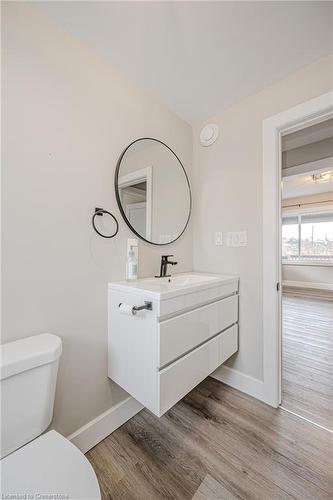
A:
308	135
298	181
303	185
200	57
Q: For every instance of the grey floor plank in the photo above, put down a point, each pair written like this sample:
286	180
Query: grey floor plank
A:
210	489
216	435
307	358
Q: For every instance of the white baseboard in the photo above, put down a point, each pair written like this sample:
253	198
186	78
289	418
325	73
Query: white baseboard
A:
96	430
240	381
308	284
100	427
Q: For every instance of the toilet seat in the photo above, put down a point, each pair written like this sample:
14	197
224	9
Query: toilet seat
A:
49	465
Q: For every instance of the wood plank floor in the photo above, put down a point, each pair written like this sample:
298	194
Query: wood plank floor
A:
216	443
307	358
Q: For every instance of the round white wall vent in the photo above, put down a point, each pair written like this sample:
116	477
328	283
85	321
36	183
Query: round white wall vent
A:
209	133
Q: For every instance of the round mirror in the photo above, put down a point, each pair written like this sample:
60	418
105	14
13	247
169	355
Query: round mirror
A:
153	192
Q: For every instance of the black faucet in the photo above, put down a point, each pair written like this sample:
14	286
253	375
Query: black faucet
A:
164	266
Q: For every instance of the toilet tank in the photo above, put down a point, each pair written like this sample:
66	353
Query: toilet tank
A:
28	374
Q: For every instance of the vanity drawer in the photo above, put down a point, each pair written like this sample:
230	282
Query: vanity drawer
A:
177	379
179	335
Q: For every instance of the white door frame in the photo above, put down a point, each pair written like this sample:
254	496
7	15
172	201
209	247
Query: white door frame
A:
139	204
296	118
142	175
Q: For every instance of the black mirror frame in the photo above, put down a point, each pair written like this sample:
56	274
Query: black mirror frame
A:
119	201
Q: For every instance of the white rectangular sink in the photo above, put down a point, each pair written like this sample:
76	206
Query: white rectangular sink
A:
182	280
177	284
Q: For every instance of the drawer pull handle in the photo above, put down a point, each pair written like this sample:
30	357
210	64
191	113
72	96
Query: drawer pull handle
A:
147	305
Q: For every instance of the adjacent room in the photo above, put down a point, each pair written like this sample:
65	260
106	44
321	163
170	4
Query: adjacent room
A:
307	273
166	250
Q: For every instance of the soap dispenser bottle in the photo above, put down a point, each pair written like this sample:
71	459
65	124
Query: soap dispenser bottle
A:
132	260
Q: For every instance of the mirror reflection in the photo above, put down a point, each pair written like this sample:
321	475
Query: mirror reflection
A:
153	191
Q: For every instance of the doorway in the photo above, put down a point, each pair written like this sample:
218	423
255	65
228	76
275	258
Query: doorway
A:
307	273
135	192
309	113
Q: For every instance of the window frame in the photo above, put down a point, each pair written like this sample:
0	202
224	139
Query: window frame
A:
309	260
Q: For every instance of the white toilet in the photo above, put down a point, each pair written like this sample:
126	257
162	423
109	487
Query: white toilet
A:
33	466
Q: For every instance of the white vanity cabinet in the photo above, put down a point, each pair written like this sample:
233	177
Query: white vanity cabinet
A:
159	355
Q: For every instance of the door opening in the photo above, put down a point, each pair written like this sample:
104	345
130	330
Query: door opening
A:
295	119
307	273
135	191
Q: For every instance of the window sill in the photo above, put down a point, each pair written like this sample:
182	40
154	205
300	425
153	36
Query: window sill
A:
307	263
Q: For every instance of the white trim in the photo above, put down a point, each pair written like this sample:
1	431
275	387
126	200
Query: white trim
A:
318	263
313	111
308	284
306	419
140	204
240	381
100	427
141	175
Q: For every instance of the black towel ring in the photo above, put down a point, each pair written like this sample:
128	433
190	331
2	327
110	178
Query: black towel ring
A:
101	212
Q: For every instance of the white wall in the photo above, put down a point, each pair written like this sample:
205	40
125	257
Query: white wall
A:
228	197
67	116
318	202
306	275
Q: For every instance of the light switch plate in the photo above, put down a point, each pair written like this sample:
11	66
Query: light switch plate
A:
242	242
237	239
218	238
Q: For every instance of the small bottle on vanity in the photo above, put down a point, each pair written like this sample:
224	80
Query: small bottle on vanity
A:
132	260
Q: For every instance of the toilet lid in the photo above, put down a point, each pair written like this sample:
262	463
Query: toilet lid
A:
49	467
